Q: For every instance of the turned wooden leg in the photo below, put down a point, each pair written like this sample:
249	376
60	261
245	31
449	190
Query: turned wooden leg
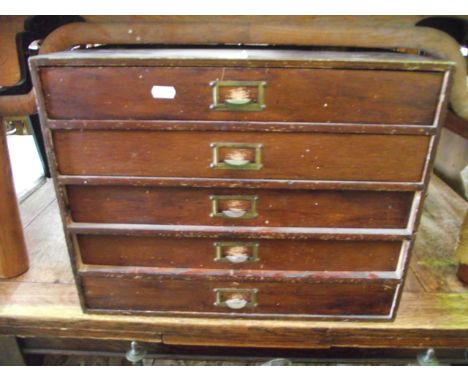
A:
13	254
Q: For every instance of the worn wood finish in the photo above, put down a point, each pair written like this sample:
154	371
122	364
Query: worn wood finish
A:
339	298
308	255
106	180
204	56
223	232
420	315
48	309
369	32
291	203
242	126
235	275
275	208
353	96
43	306
13	253
398	158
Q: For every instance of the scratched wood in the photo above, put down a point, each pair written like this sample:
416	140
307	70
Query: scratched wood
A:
41	306
278	208
78	93
373	88
397	158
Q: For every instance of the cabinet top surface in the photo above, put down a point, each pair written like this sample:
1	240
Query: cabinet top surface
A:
242	57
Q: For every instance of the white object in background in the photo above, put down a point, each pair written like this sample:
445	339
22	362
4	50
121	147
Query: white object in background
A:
163	92
26	164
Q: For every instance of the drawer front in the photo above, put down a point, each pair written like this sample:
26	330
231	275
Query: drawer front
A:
303	95
239	207
340	297
301	156
234	253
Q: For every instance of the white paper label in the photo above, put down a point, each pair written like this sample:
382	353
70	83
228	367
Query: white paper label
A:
163	92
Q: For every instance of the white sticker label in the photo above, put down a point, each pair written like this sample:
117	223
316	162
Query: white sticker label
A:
164	92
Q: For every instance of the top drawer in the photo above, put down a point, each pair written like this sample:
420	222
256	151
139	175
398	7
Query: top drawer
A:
241	94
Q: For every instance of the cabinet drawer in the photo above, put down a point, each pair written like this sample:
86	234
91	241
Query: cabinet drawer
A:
235	253
202	296
243	94
297	156
239	207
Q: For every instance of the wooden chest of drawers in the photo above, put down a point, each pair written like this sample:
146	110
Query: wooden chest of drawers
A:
245	183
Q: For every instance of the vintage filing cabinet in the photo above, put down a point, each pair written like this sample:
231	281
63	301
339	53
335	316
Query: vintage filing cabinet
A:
240	182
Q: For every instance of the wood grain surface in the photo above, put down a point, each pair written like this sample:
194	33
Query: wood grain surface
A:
339	298
276	208
353	96
301	156
294	92
309	255
13	253
427	317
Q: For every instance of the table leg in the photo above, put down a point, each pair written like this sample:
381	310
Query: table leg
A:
13	254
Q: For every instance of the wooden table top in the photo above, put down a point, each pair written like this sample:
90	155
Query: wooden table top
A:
433	311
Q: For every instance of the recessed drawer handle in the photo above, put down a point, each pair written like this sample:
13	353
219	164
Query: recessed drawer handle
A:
236	299
234	213
238	95
236	156
236	302
234	207
236	162
237	258
237	101
236	252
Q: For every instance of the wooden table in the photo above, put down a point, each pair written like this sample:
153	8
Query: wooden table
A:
41	307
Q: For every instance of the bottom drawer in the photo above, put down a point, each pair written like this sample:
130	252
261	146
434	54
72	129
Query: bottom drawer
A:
340	298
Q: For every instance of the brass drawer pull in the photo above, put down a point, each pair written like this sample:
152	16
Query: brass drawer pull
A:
234	206
234	298
236	162
236	156
236	252
238	95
